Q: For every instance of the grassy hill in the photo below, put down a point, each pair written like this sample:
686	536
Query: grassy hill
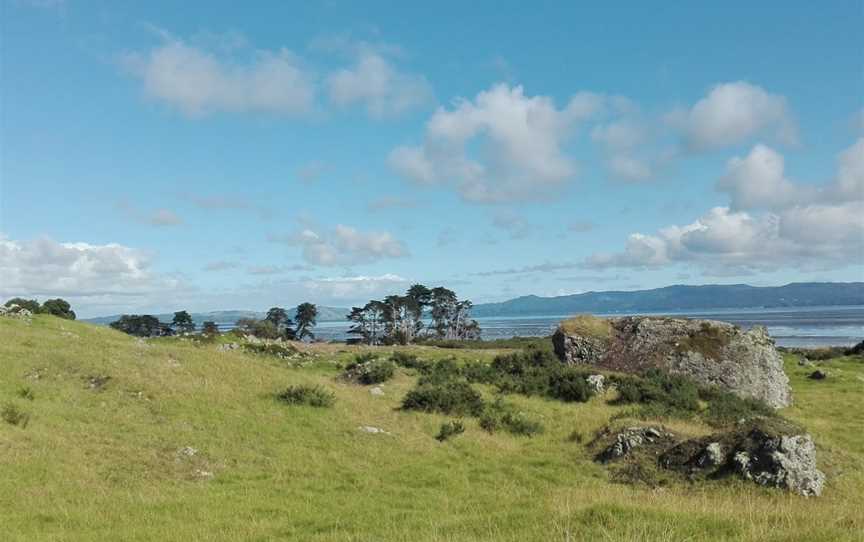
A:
165	440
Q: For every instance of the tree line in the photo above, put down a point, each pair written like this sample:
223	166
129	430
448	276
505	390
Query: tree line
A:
57	307
399	319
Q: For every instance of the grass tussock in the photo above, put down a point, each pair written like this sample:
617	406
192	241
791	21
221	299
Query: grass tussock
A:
587	325
315	396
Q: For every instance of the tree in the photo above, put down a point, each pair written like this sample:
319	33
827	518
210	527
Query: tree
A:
30	304
263	329
280	320
209	328
58	307
306	316
421	297
368	322
182	322
400	318
143	325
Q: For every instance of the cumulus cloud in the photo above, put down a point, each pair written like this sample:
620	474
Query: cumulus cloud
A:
355	288
732	113
520	141
344	246
198	81
771	223
45	268
376	84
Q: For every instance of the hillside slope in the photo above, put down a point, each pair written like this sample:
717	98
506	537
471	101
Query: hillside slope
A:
165	440
671	298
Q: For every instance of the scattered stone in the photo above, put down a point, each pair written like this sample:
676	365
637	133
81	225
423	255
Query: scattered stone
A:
187	451
712	456
97	382
203	473
597	382
804	362
227	347
17	312
629	439
710	352
818	375
373	430
377	390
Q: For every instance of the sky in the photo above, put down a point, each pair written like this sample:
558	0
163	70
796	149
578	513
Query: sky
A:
158	156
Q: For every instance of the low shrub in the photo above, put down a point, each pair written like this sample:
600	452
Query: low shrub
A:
725	408
366	370
655	386
315	396
504	416
450	429
447	397
443	370
13	415
538	372
282	351
26	393
409	361
570	385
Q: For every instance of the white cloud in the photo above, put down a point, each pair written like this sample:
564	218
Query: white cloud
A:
772	223
520	141
344	246
732	113
355	288
378	85
199	82
44	268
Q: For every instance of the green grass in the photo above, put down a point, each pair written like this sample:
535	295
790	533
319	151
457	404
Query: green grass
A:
588	325
108	462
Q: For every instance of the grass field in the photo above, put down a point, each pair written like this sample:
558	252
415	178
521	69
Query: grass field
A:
103	455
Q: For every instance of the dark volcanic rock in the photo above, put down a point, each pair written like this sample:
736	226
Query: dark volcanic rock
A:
818	375
712	353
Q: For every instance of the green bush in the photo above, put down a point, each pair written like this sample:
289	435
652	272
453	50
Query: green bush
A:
725	408
409	361
26	393
569	385
443	370
315	396
13	415
449	397
655	386
504	416
366	370
283	351
450	429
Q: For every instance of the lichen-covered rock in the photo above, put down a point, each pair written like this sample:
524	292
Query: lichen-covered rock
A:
624	442
597	383
16	311
771	453
712	353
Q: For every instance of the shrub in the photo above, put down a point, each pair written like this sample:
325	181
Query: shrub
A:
725	408
500	415
477	371
450	397
655	386
369	370
406	360
283	351
26	393
443	370
13	415
450	429
314	396
570	385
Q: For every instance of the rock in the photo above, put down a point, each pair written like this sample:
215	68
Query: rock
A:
818	375
187	451
227	347
629	439
804	362
712	456
373	430
710	352
857	350
16	311
597	382
787	462
377	390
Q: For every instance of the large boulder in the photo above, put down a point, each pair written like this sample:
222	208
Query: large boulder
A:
710	352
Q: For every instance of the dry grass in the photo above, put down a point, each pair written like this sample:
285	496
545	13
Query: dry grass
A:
587	325
108	463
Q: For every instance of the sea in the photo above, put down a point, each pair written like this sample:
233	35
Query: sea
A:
791	327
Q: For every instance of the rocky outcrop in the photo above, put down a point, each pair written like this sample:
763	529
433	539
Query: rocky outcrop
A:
16	311
769	452
710	352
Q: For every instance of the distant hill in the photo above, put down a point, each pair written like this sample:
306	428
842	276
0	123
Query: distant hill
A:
325	314
801	294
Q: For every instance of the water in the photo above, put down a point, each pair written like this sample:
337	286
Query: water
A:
798	326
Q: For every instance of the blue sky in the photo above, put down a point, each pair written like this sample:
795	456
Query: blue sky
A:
208	156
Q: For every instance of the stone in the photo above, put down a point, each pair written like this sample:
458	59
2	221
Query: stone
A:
597	383
712	456
710	352
187	451
629	439
818	375
16	311
377	390
227	347
787	462
373	430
